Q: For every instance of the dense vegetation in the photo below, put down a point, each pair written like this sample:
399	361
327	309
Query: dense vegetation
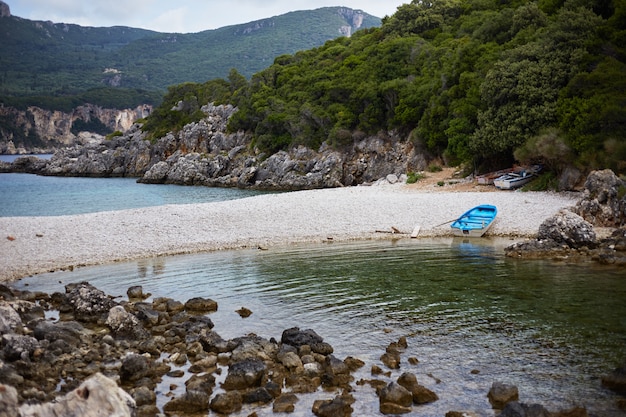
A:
479	82
52	65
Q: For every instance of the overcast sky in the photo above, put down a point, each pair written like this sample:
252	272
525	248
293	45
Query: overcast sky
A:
179	16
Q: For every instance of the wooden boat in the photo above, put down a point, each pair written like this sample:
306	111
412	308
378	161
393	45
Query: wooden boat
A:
488	178
513	180
475	222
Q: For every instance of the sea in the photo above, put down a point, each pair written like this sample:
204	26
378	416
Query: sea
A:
471	316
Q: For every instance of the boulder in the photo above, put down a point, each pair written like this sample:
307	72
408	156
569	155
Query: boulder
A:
296	337
501	394
257	396
227	402
88	303
124	324
134	367
285	403
245	374
19	347
10	321
395	397
71	332
97	396
190	402
421	394
567	228
340	406
200	305
604	200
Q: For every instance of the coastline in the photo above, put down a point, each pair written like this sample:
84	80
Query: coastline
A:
33	245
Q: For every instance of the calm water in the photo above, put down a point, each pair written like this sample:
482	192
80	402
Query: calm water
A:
549	328
32	195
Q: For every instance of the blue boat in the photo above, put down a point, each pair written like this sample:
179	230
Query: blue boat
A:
475	222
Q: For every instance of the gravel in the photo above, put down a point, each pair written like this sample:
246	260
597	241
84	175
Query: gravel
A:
31	245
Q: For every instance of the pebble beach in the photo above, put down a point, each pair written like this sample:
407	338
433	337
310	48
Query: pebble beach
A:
32	245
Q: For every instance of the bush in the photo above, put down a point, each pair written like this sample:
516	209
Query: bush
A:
414	177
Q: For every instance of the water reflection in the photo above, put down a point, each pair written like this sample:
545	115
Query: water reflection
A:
472	316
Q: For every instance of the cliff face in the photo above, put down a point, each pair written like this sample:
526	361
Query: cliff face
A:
5	11
47	130
203	153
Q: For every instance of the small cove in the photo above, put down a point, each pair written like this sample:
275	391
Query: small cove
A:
471	316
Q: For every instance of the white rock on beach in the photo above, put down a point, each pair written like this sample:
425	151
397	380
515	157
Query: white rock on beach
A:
41	244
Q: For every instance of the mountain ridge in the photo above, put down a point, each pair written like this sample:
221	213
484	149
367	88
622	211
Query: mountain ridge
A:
40	57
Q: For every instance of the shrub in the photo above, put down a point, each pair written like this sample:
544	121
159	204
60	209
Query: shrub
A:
414	177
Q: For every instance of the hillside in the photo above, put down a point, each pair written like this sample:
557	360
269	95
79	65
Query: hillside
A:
485	84
45	58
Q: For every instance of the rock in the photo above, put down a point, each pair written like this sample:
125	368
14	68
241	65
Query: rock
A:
244	312
19	347
136	293
258	396
200	305
71	332
616	380
285	403
395	395
569	229
213	342
516	409
604	201
8	401
290	360
227	403
10	321
421	394
253	347
189	402
124	324
296	337
337	407
245	374
500	394
134	367
95	397
569	178
89	303
144	396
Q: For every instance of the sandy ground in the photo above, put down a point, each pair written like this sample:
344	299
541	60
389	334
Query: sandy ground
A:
31	245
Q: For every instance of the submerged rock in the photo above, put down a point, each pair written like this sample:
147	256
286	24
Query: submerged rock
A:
501	394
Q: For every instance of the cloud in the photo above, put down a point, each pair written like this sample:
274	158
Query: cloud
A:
180	16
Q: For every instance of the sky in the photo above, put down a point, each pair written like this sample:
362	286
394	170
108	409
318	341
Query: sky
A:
182	16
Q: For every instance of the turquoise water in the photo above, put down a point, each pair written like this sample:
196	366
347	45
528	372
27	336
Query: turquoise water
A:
471	315
32	195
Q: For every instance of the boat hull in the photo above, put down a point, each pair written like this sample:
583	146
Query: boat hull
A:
475	222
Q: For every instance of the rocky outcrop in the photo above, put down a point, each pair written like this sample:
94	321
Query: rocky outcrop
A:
203	153
570	234
604	200
48	130
5	11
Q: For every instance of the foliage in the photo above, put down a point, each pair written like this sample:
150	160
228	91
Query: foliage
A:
92	125
549	148
469	82
414	177
182	105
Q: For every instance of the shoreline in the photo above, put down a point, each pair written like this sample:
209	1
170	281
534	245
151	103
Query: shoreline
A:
33	245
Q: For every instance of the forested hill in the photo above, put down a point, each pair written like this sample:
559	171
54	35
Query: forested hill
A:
64	60
478	82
